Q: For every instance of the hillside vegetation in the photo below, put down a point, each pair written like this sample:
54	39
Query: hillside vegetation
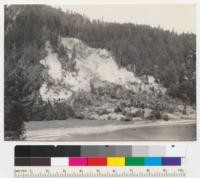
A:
56	61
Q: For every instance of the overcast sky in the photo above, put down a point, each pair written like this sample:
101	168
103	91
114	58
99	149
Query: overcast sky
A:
177	17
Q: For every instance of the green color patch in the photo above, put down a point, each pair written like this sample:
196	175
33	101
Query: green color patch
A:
134	161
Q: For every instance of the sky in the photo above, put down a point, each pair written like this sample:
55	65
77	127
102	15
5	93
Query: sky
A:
177	17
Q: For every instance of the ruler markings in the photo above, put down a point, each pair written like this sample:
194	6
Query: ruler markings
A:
97	173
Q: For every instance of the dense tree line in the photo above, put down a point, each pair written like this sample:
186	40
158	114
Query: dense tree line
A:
168	56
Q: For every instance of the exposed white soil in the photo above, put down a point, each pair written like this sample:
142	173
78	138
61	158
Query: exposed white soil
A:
90	63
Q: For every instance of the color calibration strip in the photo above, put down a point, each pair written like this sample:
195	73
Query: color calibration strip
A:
99	151
100	161
99	155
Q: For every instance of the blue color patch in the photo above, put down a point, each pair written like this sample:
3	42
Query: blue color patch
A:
153	161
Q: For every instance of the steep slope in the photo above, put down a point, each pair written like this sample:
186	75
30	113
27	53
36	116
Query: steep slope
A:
89	81
90	64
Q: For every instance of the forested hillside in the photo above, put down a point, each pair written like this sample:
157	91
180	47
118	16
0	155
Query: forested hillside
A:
167	56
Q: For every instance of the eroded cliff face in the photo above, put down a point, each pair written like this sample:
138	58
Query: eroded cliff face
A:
90	82
93	68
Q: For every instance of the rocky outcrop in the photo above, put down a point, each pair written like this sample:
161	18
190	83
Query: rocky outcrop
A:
88	84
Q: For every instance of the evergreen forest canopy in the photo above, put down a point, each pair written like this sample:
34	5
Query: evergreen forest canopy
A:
142	49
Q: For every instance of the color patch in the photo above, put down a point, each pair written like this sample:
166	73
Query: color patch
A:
40	161
22	161
106	151
59	161
116	161
171	161
157	151
140	151
123	151
153	161
97	161
90	150
22	151
78	161
134	161
175	151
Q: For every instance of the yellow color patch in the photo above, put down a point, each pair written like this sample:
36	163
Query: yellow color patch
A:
116	161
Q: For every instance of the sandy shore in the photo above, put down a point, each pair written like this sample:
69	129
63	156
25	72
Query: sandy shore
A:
86	130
